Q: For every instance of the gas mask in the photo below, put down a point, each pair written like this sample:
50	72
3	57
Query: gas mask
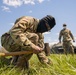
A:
46	24
64	27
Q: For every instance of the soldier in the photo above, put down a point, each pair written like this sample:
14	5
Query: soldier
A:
26	34
67	39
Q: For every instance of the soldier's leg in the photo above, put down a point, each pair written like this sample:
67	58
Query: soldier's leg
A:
43	59
14	60
71	48
9	44
65	47
23	59
14	48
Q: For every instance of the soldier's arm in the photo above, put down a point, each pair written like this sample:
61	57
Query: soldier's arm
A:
17	33
60	35
41	40
72	36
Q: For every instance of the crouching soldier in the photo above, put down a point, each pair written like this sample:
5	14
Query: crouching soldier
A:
26	34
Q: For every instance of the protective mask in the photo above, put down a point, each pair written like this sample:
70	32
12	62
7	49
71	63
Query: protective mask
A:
41	27
64	27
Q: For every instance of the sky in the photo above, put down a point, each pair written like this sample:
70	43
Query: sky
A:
64	11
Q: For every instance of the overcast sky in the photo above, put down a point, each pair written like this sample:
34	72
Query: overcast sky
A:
64	11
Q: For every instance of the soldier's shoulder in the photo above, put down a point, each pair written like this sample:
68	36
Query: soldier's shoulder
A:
24	17
31	18
62	30
68	30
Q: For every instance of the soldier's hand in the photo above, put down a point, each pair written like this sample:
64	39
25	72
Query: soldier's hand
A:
36	49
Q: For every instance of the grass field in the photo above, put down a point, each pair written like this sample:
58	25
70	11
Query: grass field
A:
62	65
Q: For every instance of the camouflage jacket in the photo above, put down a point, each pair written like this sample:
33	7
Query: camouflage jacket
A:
66	34
24	25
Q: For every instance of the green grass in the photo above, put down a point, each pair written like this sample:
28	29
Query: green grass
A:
62	65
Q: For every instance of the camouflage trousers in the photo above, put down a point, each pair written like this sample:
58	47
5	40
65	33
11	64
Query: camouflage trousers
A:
68	47
9	44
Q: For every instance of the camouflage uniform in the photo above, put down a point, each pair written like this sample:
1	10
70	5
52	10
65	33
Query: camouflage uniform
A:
67	40
22	36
